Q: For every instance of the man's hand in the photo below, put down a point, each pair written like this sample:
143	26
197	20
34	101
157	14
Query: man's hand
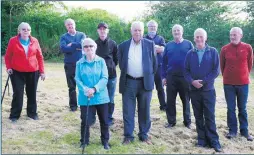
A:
69	44
159	49
43	76
197	83
10	71
164	82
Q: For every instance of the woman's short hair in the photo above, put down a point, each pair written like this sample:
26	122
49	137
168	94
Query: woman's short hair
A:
83	42
22	24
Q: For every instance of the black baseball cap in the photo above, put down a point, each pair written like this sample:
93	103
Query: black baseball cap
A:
102	25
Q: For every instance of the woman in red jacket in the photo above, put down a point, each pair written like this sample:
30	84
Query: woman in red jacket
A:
25	64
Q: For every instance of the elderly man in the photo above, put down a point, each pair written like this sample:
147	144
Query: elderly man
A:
159	47
70	45
201	69
236	63
107	49
172	73
138	65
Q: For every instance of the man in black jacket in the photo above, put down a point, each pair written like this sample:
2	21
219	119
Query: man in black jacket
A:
107	49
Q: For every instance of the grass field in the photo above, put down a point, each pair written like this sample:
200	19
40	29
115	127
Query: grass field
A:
58	130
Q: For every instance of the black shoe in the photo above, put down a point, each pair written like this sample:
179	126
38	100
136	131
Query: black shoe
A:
13	120
230	135
169	125
218	149
249	137
200	145
34	117
106	146
188	126
73	109
163	108
126	141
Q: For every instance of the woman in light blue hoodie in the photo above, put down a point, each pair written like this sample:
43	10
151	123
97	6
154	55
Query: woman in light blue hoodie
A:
92	78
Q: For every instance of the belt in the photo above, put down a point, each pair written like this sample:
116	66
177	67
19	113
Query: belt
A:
134	78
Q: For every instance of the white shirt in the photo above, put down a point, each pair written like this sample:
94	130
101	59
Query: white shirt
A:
135	68
25	48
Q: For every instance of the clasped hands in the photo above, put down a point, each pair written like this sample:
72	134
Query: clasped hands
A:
90	92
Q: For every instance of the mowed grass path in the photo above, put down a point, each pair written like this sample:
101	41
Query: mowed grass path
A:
58	130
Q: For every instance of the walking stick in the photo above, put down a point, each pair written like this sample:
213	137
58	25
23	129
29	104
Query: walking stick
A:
7	84
87	110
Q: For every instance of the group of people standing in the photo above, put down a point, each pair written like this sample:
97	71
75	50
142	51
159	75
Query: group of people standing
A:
143	61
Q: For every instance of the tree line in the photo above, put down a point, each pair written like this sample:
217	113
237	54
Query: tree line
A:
47	21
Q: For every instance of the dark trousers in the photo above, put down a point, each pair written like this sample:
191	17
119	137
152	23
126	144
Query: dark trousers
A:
159	88
135	90
203	103
237	93
70	75
102	111
111	92
177	84
111	86
18	81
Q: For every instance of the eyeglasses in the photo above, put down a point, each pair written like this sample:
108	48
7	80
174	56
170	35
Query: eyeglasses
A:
26	29
86	46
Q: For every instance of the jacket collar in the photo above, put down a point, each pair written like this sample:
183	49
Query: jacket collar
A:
207	47
30	37
83	59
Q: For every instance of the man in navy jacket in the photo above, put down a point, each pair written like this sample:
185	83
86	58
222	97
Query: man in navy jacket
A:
70	45
138	65
159	48
201	69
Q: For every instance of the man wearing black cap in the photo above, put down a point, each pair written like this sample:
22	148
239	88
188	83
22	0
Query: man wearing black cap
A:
107	49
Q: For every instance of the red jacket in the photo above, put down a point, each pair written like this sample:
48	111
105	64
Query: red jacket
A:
15	57
236	62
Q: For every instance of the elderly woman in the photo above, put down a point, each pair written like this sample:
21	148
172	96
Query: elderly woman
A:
25	64
201	69
91	78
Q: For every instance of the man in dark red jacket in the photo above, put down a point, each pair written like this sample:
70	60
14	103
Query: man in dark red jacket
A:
236	61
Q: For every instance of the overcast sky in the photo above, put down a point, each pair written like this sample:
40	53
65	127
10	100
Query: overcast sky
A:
126	10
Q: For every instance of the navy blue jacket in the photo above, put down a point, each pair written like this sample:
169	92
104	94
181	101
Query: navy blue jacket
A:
207	70
74	52
158	40
149	63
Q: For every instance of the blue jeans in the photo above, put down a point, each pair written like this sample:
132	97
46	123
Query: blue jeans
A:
237	93
135	90
111	92
203	104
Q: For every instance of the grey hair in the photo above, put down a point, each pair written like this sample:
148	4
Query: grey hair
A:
22	24
152	21
238	29
141	24
90	40
177	25
202	31
69	20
